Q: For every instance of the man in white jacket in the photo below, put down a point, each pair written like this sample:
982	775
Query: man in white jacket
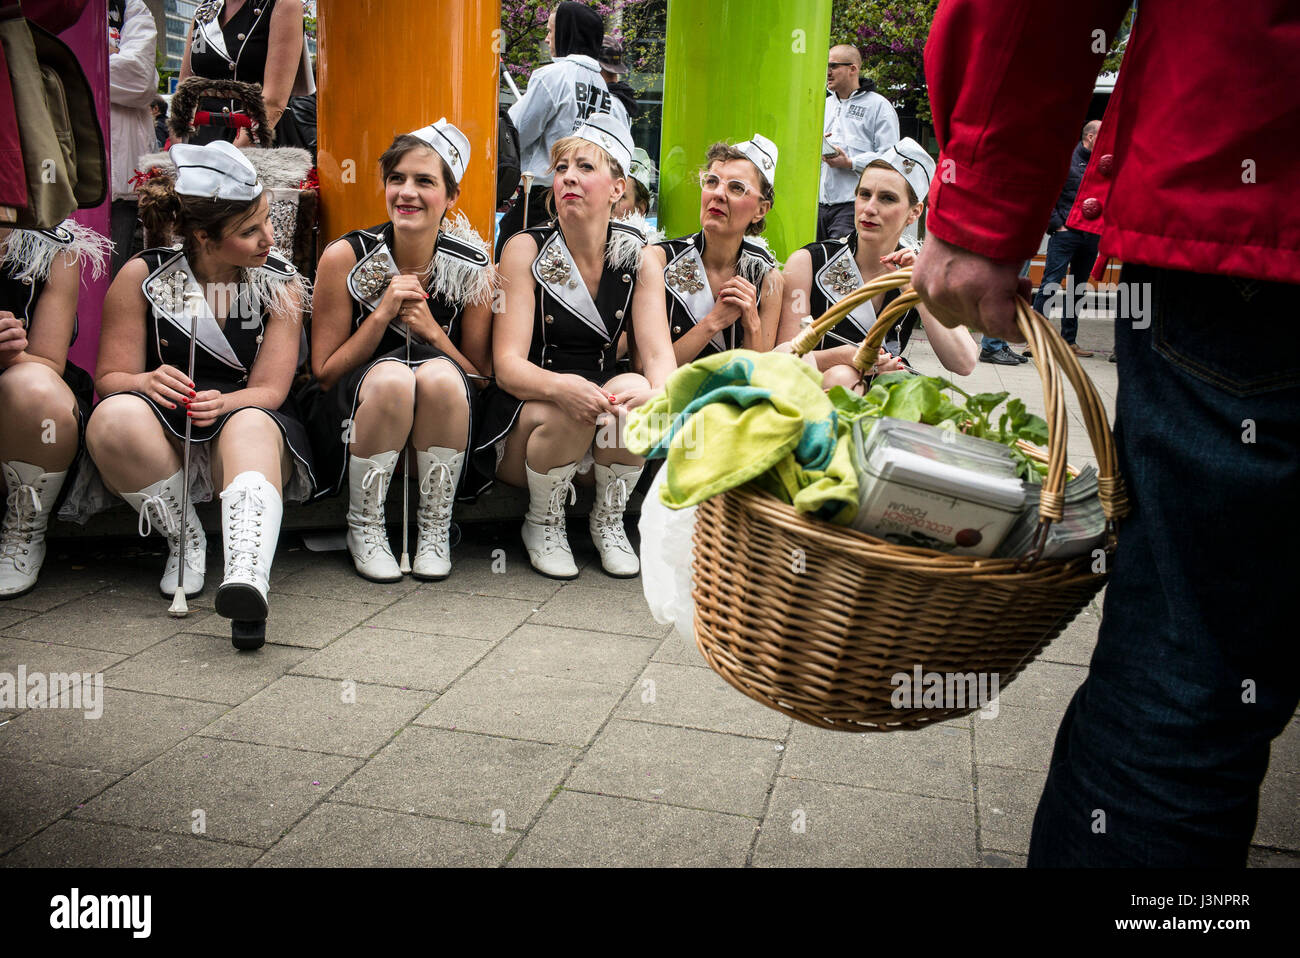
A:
132	85
859	121
559	97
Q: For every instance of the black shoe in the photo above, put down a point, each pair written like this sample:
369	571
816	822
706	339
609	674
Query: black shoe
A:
1019	358
1026	356
1111	358
1003	357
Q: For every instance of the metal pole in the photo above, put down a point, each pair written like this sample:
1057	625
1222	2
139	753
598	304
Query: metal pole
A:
179	608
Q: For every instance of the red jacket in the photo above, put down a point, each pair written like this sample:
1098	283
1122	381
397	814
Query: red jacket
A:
1196	166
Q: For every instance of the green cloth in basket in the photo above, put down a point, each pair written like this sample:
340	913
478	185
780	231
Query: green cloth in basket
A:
738	416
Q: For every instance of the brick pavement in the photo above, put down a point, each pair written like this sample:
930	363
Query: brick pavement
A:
496	718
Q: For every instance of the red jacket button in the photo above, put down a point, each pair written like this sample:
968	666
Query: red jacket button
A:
1106	165
1091	208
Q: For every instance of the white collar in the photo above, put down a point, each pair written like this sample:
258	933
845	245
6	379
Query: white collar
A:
555	269
840	276
687	281
177	298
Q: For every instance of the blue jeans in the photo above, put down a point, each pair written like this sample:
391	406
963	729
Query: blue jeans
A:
1160	753
989	344
1076	251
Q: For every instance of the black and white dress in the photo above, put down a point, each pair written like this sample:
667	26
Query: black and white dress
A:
462	276
223	360
25	262
572	333
835	274
689	296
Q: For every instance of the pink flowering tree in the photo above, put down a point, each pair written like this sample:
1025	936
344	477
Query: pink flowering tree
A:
638	23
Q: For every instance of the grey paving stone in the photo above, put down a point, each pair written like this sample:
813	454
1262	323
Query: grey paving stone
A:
1074	645
1017	738
1044	685
137	575
332	576
133	729
46	657
60	583
391	657
300	712
468	777
595	831
1278	825
680	651
507	574
520	705
9	615
335	836
854	827
75	844
933	761
583	607
572	654
203	667
1264	858
443	612
1003	860
1007	801
592	576
34	794
112	623
247	794
301	620
678	766
670	694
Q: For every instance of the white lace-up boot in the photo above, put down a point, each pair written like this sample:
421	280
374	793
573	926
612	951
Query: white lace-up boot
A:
32	492
614	484
159	507
250	526
439	470
544	531
368	481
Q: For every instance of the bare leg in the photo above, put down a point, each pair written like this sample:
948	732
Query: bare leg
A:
129	445
843	375
385	411
609	447
546	437
39	425
441	408
250	441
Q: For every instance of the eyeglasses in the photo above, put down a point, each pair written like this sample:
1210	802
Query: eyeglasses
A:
833	64
736	189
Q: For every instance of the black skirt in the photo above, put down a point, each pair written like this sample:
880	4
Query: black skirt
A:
330	411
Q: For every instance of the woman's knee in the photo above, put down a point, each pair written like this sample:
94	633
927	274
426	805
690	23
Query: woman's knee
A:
390	386
120	426
439	381
249	427
35	391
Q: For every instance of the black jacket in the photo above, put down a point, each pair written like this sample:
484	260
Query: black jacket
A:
1078	163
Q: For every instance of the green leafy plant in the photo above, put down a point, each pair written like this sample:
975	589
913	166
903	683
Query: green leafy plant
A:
922	399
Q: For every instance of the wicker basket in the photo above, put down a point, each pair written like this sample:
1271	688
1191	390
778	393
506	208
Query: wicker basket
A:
817	621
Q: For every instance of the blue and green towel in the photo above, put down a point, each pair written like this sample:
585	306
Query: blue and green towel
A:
739	416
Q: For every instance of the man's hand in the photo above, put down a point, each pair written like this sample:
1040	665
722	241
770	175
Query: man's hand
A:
961	288
840	161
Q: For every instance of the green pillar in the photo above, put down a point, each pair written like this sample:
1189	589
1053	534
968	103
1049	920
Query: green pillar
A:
733	68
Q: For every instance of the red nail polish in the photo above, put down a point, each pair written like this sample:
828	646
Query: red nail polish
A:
193	394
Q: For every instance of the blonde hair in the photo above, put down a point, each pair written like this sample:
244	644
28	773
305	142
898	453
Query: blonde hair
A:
566	145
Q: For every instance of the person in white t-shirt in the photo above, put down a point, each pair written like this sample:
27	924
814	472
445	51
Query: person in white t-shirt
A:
859	122
560	96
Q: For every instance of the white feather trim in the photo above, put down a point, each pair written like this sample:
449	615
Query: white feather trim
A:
269	290
625	249
753	267
458	280
30	253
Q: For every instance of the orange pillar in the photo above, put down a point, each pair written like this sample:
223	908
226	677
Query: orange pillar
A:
386	67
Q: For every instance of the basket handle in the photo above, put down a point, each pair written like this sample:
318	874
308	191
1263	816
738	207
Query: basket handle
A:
1056	362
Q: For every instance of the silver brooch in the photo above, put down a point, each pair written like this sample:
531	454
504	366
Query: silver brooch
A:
554	267
372	276
207	11
684	276
168	291
907	165
841	278
767	164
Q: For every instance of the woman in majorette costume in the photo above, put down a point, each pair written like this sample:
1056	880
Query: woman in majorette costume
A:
724	286
890	195
45	398
428	275
246	303
571	288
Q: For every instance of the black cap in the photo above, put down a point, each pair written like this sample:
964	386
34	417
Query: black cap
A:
611	56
